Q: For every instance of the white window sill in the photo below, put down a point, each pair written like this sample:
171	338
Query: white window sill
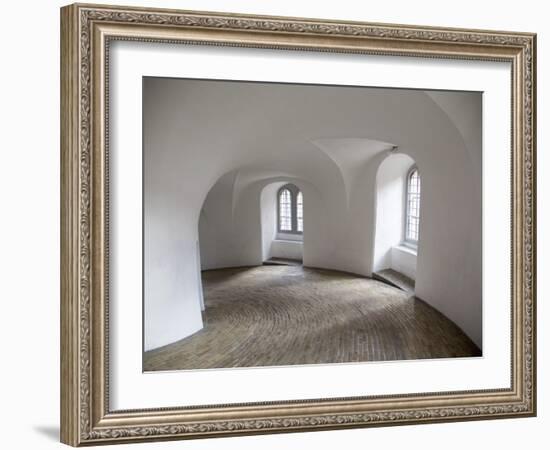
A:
406	249
292	241
289	237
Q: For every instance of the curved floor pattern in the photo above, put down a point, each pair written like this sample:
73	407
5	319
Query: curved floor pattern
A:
285	315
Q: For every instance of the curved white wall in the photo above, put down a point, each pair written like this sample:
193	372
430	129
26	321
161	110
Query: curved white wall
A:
218	144
268	202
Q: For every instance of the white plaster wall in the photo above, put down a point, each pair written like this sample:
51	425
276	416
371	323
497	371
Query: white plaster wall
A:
289	236
216	226
287	249
199	277
303	136
172	293
404	261
268	202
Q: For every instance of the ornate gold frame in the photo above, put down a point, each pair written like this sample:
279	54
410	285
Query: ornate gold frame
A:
86	31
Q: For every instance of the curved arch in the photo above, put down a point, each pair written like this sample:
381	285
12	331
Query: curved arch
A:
349	155
235	238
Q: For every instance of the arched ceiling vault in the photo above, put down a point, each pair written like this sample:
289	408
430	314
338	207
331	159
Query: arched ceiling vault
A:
321	134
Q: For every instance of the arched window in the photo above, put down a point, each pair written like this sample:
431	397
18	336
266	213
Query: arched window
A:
300	212
412	216
285	210
290	208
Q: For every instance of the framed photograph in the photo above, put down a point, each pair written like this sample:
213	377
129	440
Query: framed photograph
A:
276	224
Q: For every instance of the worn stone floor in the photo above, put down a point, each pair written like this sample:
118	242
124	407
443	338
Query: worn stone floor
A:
287	315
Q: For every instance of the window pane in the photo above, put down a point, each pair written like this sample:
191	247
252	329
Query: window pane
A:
300	211
285	211
413	206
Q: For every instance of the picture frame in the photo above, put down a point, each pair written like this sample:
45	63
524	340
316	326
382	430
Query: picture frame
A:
87	32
